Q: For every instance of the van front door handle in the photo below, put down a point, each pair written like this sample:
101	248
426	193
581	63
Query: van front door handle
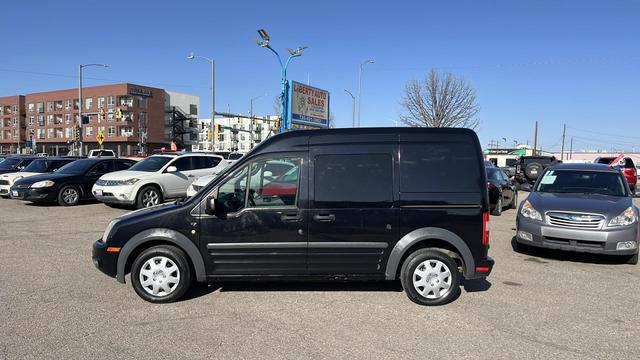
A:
324	217
290	217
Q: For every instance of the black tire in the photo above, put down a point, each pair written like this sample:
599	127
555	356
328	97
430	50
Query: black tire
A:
174	257
633	260
69	195
497	210
533	171
514	200
418	258
141	201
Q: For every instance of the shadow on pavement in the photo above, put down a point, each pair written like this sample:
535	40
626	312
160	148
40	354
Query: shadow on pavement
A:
561	255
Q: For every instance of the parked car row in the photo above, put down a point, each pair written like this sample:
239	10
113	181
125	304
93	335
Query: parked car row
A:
69	180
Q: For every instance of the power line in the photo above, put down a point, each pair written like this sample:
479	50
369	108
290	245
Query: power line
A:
102	79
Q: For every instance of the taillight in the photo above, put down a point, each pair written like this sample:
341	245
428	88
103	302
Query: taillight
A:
490	185
485	228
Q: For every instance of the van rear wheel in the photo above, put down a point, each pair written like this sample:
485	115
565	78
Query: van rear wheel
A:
161	274
430	277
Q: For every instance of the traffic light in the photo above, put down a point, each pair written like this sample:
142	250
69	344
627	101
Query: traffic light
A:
216	133
208	134
101	115
118	114
77	135
277	123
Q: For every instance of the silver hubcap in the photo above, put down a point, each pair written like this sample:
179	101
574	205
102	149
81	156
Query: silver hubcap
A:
150	198
432	279
69	196
159	276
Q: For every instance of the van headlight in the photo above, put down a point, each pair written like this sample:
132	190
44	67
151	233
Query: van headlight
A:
42	184
627	217
105	236
528	211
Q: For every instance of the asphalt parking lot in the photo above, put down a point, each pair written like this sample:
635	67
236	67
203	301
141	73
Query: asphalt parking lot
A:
55	304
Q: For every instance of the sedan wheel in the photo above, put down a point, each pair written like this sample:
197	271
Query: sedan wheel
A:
149	196
68	196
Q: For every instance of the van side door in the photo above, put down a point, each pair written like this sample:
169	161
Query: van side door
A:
352	218
259	226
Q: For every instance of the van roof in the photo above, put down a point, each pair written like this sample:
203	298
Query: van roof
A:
292	139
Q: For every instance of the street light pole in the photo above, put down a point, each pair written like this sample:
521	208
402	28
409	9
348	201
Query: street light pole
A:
353	108
79	122
370	61
213	95
285	122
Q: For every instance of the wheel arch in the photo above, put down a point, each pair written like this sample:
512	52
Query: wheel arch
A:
159	236
429	237
153	184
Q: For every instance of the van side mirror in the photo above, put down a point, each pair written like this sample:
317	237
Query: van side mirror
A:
172	169
210	205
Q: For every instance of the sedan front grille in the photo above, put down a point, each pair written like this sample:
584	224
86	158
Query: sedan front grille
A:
575	220
4	182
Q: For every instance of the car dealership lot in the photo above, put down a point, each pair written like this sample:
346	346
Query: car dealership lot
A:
54	303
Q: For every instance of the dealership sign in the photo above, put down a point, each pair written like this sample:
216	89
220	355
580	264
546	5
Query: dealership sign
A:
308	106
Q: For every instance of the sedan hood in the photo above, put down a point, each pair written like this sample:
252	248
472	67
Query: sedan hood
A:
127	174
42	177
610	206
21	174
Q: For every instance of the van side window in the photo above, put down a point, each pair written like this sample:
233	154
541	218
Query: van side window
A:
231	194
269	189
439	167
360	180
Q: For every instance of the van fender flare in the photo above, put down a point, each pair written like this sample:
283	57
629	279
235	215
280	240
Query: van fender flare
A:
427	233
168	235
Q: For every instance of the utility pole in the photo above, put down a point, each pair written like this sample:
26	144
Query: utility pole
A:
571	149
79	122
535	140
564	132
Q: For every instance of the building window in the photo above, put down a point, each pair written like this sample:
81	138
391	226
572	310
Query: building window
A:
125	101
89	130
49	119
31	120
15	121
112	131
100	102
76	118
67	119
40	133
111	101
126	131
50	133
67	104
87	103
111	117
41	120
58	105
32	107
67	132
50	106
15	108
142	119
76	104
15	134
40	107
142	102
193	109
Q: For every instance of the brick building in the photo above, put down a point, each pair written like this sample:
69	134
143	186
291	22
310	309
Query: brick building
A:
149	116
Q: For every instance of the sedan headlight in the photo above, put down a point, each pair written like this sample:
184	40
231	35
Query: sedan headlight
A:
528	211
42	184
627	217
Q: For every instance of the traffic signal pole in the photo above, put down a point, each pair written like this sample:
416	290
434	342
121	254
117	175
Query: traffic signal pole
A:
79	122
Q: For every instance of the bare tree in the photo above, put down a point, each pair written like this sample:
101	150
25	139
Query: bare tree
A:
441	100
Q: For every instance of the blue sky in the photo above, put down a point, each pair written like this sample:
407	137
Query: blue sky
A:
573	62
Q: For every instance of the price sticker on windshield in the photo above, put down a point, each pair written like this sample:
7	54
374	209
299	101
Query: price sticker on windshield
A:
548	178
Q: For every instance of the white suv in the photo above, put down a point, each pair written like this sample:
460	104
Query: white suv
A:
156	178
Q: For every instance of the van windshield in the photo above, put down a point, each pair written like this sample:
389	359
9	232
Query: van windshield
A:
582	182
151	164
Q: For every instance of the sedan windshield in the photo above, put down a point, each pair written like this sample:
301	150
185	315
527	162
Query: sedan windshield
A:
77	167
38	166
9	163
151	164
582	182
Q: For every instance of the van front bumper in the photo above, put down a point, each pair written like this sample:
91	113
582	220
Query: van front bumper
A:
107	262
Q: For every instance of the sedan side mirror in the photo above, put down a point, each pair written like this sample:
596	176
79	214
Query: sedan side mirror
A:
172	169
210	205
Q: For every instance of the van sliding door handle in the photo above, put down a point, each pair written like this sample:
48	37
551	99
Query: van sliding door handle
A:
324	217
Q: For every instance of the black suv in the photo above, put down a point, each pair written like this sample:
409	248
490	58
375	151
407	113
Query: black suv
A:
529	168
356	204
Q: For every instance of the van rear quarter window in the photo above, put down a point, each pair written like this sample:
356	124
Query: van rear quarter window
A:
439	167
357	180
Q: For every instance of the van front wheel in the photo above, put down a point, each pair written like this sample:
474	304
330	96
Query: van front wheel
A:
430	277
161	274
